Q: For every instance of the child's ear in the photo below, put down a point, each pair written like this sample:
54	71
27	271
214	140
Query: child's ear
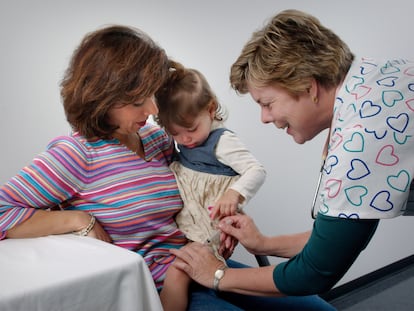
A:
212	107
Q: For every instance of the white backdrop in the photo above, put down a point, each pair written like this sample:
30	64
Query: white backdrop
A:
38	37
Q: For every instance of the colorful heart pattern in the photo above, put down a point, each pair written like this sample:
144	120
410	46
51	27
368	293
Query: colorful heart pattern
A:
370	162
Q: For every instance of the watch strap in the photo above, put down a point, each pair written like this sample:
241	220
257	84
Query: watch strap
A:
218	275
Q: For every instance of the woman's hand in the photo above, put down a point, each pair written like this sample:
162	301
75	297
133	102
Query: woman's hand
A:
242	228
99	233
227	245
198	261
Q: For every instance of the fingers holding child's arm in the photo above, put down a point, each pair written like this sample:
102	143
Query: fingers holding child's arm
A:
227	245
243	228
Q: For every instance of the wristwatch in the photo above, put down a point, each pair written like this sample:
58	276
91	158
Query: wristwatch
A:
218	275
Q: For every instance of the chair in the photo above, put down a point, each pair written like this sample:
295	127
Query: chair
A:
262	260
409	210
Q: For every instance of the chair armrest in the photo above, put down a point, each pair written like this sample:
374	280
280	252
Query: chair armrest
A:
262	260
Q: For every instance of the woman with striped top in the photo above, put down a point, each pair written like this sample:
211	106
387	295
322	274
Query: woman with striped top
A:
109	178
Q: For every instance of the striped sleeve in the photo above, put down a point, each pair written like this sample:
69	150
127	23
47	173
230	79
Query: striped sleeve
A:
51	178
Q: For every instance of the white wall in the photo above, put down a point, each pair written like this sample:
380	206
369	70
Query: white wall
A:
38	37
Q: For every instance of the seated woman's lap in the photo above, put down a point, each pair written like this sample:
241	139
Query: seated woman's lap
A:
204	299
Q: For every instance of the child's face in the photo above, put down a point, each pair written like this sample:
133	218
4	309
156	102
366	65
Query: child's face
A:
196	134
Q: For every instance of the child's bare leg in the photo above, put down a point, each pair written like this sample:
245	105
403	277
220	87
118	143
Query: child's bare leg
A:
174	294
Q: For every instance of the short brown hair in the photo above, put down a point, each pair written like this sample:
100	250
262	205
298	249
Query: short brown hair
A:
111	66
289	51
184	95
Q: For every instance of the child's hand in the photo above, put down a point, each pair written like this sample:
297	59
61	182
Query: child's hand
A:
227	205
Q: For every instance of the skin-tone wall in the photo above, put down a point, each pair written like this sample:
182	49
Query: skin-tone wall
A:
38	38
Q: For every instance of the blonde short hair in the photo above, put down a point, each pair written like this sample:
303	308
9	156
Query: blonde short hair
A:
290	50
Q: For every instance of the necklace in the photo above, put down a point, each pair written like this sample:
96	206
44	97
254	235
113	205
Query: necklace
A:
318	185
137	146
133	142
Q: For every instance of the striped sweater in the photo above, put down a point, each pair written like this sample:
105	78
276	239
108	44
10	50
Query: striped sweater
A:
135	200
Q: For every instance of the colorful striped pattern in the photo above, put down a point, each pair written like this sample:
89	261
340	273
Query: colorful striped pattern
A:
133	199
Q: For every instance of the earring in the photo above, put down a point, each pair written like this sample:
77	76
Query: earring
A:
315	99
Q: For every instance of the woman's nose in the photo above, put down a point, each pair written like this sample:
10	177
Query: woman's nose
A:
266	117
152	108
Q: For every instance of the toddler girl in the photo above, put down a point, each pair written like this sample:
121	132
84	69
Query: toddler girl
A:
215	172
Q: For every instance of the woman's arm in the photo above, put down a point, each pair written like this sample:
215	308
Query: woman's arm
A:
285	246
50	179
38	187
200	264
43	223
250	281
243	228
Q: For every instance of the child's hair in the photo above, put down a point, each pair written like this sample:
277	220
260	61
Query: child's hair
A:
183	96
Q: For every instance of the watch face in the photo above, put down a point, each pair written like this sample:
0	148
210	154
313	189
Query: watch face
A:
219	274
